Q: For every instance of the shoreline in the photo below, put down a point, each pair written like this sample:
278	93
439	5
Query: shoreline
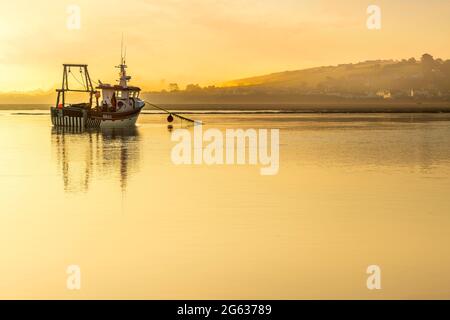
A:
277	108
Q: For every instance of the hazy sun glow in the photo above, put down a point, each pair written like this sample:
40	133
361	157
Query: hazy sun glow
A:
208	42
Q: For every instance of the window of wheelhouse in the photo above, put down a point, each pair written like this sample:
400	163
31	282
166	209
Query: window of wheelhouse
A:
119	94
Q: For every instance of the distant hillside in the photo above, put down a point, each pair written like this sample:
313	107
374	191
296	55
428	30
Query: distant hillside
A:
372	73
38	97
427	76
411	81
31	97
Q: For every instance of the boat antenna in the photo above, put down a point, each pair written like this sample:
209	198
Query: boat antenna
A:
123	53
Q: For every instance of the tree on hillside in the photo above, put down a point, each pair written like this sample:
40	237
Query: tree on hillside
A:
428	62
428	65
173	87
193	88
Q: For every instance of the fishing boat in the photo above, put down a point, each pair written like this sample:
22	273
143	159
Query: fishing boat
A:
115	106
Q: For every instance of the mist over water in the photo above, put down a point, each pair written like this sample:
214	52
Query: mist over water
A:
352	191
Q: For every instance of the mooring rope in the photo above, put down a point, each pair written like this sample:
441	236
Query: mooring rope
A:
169	112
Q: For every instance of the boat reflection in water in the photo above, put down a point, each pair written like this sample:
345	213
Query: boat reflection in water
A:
100	155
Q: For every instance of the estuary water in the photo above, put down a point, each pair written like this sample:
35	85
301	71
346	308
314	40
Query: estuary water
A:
352	190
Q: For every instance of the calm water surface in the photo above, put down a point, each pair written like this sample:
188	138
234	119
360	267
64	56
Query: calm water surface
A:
352	191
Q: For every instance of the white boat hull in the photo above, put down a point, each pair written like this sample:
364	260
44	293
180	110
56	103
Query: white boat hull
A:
79	118
122	123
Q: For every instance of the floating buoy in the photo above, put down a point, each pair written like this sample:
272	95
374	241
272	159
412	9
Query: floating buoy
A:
170	118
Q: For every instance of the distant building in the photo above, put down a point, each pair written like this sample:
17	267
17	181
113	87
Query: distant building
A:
385	94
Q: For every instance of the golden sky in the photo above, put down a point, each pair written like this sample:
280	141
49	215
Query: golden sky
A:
208	41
